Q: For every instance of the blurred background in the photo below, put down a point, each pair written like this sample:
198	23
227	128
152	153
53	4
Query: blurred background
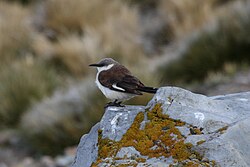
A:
48	98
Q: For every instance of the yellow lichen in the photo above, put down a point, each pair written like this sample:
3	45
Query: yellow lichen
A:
223	129
106	147
191	164
160	137
180	151
195	131
200	142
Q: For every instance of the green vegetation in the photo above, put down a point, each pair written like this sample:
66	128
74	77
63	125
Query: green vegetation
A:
144	4
24	2
21	85
63	130
211	51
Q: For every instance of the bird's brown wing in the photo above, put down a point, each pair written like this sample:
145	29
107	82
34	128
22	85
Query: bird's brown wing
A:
120	79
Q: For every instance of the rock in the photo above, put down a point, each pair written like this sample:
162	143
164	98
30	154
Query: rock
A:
87	150
116	121
177	128
128	152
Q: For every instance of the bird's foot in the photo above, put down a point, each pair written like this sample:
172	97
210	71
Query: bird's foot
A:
109	104
115	104
119	104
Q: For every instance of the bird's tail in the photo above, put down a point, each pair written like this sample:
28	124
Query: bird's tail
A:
148	89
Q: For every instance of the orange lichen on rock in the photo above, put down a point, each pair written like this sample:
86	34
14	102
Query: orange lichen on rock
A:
191	164
106	147
159	137
195	130
200	142
223	129
180	151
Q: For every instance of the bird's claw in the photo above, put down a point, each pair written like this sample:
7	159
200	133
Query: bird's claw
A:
115	104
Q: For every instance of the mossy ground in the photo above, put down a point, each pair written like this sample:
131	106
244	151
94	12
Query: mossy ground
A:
159	138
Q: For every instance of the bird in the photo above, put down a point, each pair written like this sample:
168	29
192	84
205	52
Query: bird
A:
117	83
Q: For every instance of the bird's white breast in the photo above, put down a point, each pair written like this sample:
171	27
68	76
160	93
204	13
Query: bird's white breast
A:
111	94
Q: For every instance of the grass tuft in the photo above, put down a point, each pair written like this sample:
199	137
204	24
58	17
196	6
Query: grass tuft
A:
184	17
15	33
82	38
211	51
21	85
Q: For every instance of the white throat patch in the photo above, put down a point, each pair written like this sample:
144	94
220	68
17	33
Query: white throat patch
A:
104	68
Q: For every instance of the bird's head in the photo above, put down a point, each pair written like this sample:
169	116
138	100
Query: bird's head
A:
104	64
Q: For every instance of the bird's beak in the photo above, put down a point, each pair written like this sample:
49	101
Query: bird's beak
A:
95	65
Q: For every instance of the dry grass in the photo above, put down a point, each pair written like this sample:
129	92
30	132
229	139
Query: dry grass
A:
120	36
84	36
184	16
23	78
65	16
71	54
15	33
212	50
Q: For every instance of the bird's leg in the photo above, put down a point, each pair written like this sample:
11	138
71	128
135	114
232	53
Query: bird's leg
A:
112	103
118	104
115	103
109	104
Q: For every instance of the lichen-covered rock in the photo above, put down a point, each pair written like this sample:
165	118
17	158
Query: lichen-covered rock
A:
116	121
176	128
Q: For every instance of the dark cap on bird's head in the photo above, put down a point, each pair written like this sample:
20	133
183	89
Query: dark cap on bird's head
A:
104	62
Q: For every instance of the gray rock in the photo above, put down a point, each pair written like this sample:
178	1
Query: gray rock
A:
211	113
157	162
184	130
224	135
87	150
128	152
128	156
232	147
116	121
